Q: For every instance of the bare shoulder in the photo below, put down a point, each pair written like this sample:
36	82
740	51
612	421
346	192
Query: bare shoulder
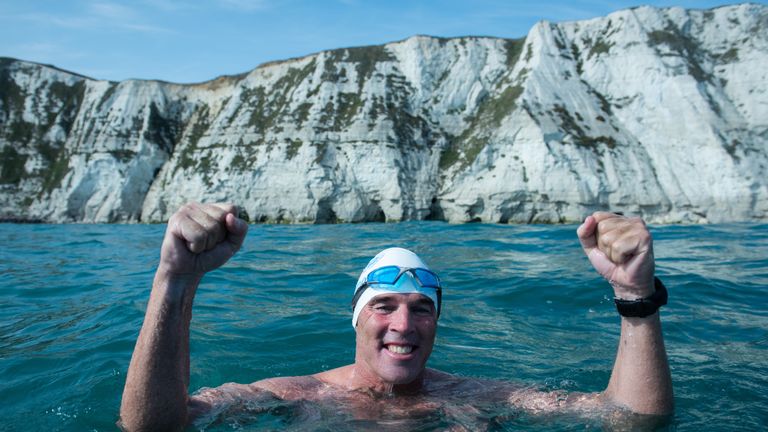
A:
436	380
209	402
339	377
518	395
538	401
289	388
589	405
438	375
228	391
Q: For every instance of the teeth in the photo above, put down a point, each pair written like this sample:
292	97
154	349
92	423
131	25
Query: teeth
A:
400	349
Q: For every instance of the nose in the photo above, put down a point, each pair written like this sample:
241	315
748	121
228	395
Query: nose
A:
402	320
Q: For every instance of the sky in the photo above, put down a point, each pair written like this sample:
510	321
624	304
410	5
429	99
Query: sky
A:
187	41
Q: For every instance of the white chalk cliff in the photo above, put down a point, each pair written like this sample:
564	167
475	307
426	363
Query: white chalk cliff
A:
655	112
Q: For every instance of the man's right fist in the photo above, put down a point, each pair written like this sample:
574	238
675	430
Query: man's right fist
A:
201	238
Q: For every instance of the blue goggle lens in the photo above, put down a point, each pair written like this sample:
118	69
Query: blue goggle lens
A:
386	275
427	278
390	275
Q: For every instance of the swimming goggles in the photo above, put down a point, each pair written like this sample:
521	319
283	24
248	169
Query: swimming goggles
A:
389	275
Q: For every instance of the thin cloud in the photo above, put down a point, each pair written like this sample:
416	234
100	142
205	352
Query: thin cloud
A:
244	5
145	28
46	53
170	5
38	46
53	20
558	11
113	11
98	16
122	16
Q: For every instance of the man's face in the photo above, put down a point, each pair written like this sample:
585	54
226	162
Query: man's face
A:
395	335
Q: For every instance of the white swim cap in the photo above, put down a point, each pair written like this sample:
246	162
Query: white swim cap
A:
406	284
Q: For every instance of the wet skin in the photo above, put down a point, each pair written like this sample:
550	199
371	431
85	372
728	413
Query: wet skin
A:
395	335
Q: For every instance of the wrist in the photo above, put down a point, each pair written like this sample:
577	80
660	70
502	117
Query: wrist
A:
631	293
175	287
644	306
171	272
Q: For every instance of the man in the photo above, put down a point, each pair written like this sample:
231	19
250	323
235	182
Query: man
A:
397	303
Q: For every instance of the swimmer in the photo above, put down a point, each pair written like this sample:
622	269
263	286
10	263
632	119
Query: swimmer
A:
396	306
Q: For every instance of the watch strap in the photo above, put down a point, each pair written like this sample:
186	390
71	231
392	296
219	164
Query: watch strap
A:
643	307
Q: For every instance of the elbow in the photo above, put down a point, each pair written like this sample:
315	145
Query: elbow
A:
657	405
146	418
660	405
659	409
654	418
129	423
666	408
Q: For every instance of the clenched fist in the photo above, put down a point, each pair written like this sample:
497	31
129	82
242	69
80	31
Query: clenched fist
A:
201	238
621	250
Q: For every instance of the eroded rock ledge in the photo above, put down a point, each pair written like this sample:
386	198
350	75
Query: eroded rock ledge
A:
656	112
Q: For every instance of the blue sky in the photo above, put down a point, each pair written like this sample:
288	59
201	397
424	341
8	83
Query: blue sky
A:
191	41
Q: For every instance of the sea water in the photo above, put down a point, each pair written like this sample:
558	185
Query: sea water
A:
521	303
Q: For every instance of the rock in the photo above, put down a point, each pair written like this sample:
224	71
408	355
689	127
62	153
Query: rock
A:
661	113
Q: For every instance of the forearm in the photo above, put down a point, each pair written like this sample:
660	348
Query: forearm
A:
155	394
641	379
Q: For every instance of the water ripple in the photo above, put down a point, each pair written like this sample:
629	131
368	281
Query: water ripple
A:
521	303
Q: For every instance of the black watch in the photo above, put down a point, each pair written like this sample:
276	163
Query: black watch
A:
643	307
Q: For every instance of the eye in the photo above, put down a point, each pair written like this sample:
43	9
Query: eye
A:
422	311
383	308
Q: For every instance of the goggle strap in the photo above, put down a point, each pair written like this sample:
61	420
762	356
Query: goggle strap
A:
358	294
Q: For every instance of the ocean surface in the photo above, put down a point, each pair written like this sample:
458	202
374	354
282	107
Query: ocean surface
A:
521	303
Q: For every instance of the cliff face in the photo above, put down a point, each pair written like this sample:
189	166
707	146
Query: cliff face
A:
657	112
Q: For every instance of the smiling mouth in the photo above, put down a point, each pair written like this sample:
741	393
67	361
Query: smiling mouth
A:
400	349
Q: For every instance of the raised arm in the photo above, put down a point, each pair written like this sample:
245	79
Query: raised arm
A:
621	250
199	238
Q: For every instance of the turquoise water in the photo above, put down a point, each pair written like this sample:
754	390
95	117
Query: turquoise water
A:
521	304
